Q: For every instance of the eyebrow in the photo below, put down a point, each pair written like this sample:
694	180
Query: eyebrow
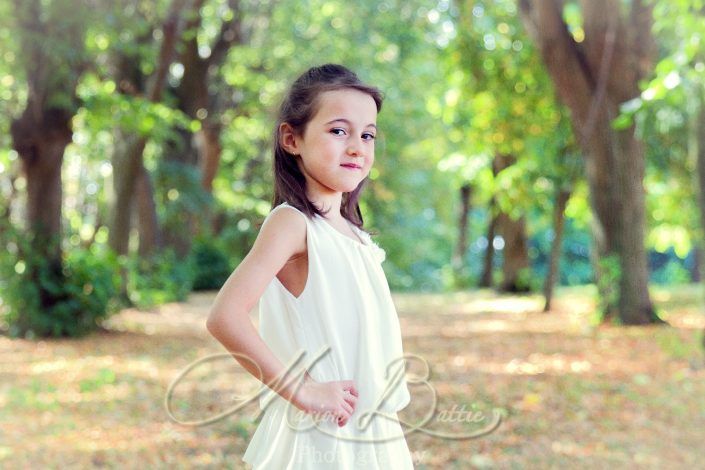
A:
347	122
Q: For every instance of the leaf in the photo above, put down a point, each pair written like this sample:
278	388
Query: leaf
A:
623	121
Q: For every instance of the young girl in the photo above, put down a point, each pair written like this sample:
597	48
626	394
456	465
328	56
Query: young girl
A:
323	296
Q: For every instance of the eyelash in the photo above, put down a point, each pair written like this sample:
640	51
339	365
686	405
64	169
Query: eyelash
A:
339	129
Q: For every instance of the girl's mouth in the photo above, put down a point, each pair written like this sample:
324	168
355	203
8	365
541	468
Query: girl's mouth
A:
351	166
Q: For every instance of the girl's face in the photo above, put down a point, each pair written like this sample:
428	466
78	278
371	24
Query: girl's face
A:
337	149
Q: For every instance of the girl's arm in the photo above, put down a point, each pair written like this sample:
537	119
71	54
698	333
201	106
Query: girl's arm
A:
280	238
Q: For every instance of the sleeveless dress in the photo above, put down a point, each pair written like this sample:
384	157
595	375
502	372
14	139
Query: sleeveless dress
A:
343	326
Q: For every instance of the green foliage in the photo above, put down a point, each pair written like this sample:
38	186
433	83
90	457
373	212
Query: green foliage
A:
458	278
180	187
526	280
158	278
610	275
574	264
211	265
79	294
462	81
665	115
672	273
105	109
499	101
50	36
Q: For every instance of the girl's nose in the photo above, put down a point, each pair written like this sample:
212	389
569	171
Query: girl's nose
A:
354	148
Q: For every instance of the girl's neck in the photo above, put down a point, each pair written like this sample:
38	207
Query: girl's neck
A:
330	202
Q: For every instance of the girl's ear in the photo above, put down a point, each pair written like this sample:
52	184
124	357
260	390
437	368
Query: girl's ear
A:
287	138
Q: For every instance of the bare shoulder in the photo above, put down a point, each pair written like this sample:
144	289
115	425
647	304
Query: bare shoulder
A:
285	228
281	238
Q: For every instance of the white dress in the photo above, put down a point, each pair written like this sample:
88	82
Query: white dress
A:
343	326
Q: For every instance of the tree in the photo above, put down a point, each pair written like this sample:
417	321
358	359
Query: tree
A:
503	104
128	164
201	95
596	68
52	41
671	114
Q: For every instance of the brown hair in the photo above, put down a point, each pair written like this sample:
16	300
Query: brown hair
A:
297	109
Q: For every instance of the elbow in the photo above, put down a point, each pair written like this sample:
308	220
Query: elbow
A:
222	323
212	323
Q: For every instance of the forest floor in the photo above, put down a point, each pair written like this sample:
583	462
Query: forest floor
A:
571	395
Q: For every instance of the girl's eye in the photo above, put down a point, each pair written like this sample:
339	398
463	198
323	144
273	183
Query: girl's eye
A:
339	131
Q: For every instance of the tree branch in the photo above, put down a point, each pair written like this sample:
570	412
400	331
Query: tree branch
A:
230	33
642	40
171	29
564	59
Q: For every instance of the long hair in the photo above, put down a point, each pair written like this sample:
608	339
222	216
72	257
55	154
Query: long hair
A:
298	108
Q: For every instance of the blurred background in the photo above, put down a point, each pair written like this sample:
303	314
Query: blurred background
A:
539	190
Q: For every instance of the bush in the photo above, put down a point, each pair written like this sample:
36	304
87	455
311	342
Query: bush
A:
158	278
211	265
66	300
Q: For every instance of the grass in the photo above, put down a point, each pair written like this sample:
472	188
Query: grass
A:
572	394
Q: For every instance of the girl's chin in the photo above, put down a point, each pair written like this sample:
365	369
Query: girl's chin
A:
350	189
350	185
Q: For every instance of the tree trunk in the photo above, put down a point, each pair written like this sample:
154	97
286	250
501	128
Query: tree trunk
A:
41	146
593	78
556	245
150	234
487	266
131	81
516	255
180	154
461	246
203	149
208	145
40	136
695	271
698	141
128	163
513	231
